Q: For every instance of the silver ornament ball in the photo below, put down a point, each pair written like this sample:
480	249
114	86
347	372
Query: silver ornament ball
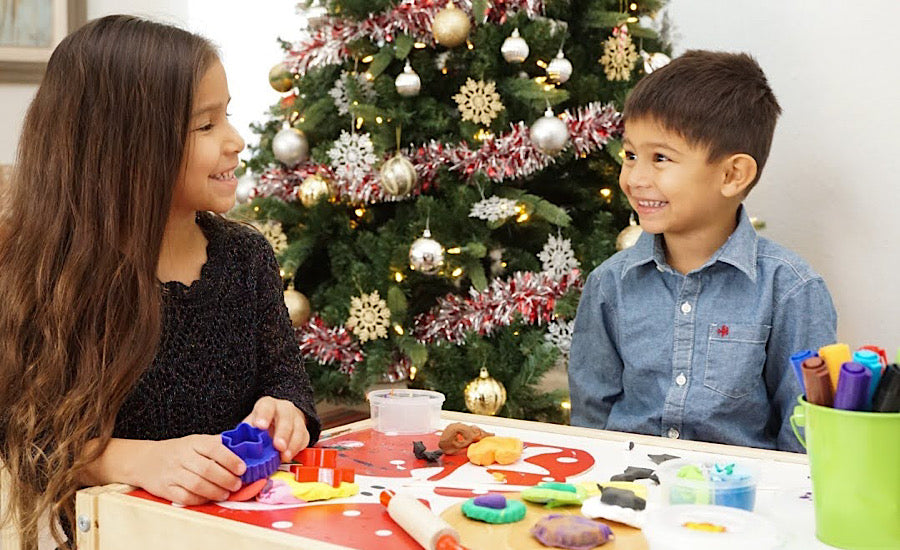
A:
653	61
560	69
245	187
408	82
290	146
398	176
426	255
549	133
514	48
628	237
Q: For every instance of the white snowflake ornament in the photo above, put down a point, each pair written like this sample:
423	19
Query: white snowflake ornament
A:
493	209
557	257
352	156
273	233
341	96
369	317
559	334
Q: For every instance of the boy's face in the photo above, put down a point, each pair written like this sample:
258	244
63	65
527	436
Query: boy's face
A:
207	180
670	183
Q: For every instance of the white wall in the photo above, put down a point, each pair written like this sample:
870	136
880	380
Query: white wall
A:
829	189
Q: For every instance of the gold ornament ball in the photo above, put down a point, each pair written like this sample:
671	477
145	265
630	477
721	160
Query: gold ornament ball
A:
398	176
313	189
298	307
280	78
484	395
451	26
628	237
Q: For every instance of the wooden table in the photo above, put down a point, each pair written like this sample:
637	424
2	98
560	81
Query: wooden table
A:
115	517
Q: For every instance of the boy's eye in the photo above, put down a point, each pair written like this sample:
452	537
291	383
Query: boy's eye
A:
629	155
659	157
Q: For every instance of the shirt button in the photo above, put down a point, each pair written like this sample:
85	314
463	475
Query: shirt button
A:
672	433
686	308
681	380
660	268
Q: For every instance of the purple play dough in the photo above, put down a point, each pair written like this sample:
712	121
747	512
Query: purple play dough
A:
572	532
495	501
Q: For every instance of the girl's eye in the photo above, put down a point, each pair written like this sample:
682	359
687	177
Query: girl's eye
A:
205	127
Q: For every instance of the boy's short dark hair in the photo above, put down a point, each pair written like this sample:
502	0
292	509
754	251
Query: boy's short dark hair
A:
718	100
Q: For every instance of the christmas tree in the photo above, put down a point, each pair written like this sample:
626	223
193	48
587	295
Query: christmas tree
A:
438	179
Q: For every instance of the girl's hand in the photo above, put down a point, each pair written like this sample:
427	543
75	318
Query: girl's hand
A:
285	422
190	470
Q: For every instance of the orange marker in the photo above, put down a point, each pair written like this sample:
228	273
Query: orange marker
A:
423	525
834	356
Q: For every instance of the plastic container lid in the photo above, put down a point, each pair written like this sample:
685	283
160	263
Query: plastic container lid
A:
700	527
403	411
723	483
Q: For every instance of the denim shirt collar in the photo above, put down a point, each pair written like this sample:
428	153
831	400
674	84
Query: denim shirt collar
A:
739	250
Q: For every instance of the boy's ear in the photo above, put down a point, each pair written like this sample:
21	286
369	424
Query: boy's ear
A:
739	171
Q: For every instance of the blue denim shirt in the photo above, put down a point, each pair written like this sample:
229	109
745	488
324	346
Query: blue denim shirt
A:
699	356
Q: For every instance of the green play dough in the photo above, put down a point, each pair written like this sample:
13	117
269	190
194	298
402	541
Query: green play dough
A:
554	494
514	511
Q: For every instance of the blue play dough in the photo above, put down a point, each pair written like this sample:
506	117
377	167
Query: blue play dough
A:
255	448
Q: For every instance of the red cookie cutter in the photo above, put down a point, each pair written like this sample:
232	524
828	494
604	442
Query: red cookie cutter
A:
322	458
331	476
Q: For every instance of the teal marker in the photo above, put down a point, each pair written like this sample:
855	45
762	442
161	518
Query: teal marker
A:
871	361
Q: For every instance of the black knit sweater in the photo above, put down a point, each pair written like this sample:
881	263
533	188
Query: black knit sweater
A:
226	341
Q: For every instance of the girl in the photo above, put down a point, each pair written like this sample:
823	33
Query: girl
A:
134	322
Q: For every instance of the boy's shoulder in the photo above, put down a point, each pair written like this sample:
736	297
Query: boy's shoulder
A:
614	267
781	265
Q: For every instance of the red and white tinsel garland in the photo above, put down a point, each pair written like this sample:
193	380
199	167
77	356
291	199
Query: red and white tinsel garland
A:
329	345
509	156
529	294
327	45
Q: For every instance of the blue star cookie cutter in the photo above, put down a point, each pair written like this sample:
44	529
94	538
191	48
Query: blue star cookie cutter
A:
255	448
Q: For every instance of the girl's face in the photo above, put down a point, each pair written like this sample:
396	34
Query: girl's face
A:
206	180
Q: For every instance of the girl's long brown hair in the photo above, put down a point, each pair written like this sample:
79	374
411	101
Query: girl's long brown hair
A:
80	305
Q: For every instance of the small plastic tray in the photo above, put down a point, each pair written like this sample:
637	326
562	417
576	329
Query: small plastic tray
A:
402	411
707	482
709	528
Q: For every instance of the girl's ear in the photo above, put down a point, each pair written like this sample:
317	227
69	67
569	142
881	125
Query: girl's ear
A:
739	172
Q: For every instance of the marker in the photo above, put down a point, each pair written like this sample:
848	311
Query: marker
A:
796	362
853	387
881	354
817	382
887	395
423	525
835	355
870	360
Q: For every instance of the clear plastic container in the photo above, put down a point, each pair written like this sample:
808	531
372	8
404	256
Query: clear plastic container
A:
403	411
722	483
709	528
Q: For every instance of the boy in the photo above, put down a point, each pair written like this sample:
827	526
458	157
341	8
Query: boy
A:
689	332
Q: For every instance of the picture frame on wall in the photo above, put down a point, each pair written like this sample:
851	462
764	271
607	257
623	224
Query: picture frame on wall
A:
30	30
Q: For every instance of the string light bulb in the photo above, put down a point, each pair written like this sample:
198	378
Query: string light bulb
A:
457	272
398	276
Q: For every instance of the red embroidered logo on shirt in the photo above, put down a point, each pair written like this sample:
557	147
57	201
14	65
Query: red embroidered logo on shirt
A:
723	331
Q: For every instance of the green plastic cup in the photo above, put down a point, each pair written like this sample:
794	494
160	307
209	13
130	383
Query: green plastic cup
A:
854	460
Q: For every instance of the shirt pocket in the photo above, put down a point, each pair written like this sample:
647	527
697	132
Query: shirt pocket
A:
735	357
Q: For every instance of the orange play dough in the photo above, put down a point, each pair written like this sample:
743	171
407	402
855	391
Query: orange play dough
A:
502	450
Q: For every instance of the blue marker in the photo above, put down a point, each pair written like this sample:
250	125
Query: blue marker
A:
796	362
869	359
